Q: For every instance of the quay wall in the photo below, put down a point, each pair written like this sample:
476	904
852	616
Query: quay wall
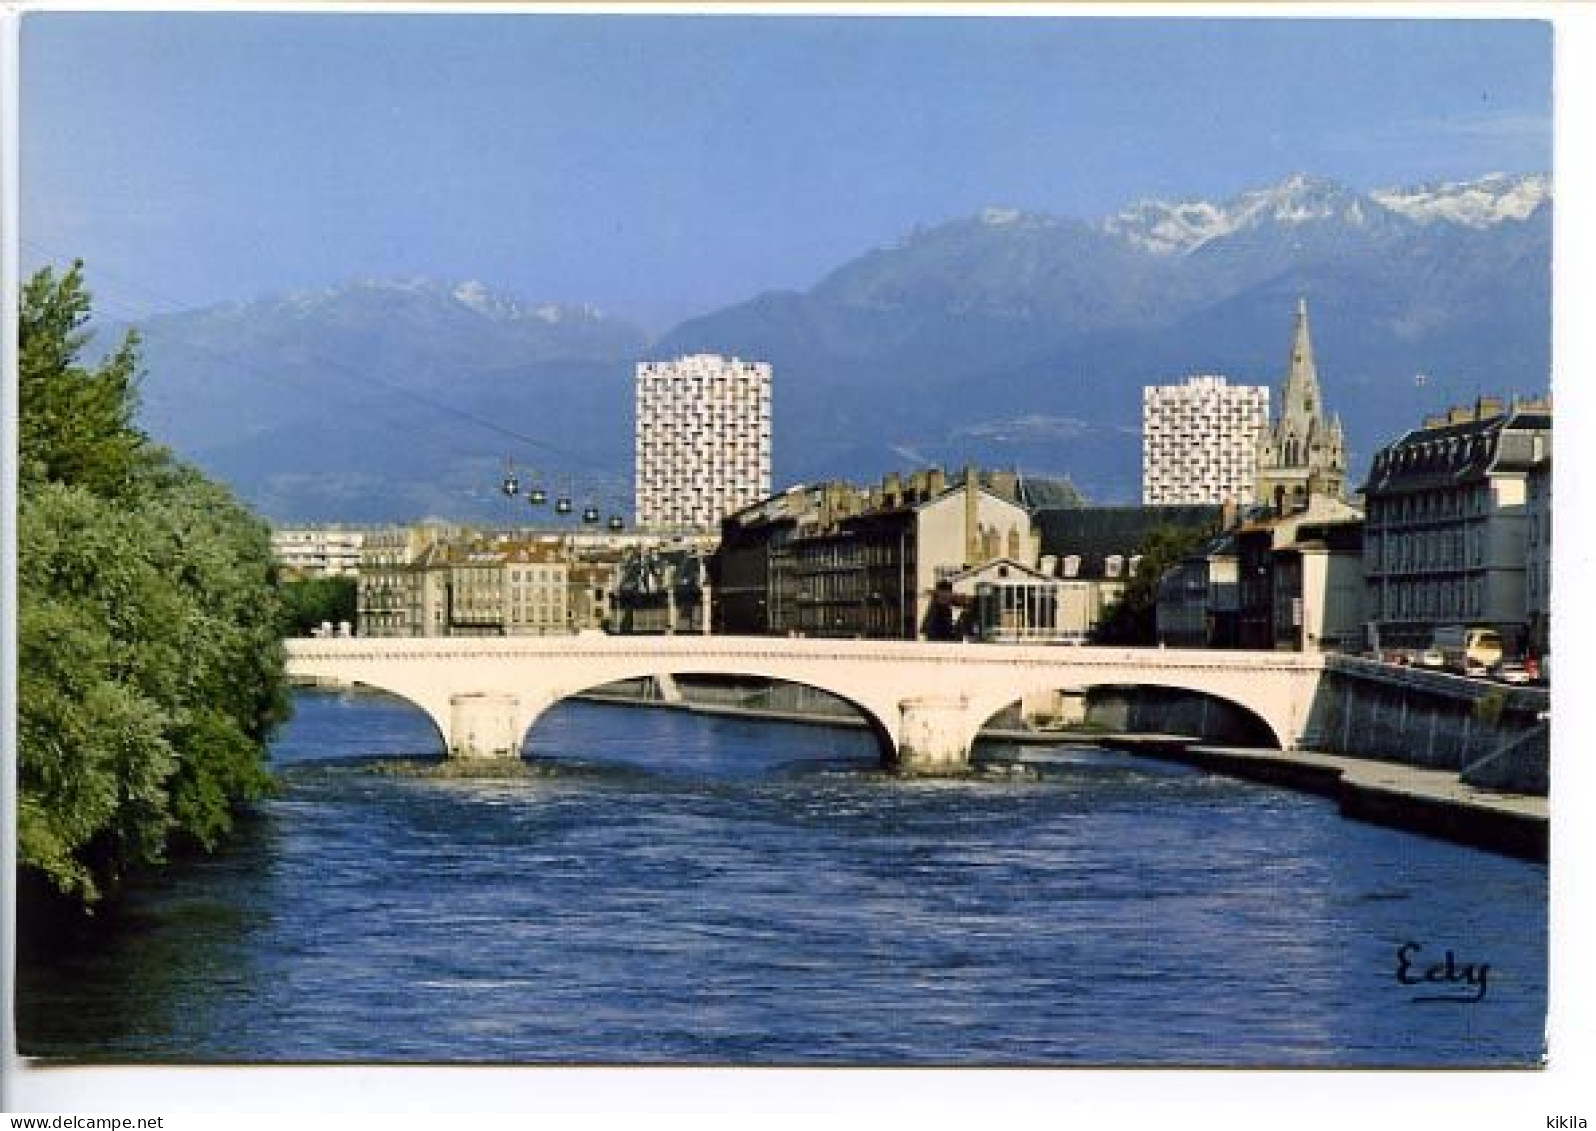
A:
1491	735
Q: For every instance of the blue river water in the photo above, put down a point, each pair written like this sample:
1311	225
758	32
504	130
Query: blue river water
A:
655	887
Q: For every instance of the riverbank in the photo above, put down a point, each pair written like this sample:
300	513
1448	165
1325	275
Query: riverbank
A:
1433	802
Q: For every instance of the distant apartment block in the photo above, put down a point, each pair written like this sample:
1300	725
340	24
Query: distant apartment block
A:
317	551
703	440
1200	441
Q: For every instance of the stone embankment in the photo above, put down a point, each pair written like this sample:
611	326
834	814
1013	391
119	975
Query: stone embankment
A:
1416	798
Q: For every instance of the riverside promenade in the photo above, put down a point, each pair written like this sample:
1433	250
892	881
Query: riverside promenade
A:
1415	798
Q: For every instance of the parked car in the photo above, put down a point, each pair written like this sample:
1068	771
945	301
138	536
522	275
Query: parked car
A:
1430	658
1512	671
1476	670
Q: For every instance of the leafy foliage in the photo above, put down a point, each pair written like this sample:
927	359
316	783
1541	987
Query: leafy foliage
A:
76	425
151	665
310	601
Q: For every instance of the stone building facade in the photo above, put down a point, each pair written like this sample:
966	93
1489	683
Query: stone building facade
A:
1538	558
438	581
662	592
1097	550
1199	599
839	560
399	592
1299	578
1449	520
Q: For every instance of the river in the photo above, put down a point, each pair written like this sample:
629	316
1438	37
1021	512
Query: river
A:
657	887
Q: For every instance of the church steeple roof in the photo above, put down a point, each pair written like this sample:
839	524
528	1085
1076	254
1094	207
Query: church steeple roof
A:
1301	404
1303	450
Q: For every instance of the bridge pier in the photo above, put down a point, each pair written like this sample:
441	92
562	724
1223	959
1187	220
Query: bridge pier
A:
934	734
485	725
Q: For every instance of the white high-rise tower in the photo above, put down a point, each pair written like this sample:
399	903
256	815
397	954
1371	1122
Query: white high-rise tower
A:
703	439
1200	440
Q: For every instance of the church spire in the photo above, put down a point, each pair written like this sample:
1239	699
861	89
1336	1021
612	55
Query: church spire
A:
1302	452
1302	379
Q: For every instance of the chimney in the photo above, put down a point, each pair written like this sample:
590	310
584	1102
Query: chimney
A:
1487	407
972	530
891	489
1435	421
936	481
1461	414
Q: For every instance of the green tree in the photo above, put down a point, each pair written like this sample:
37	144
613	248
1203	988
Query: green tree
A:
95	752
75	424
1133	619
148	623
310	601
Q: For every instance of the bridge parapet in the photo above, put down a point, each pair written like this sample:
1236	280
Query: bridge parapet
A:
1432	682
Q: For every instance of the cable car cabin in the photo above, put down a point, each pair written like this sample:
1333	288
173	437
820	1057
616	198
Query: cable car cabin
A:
590	514
616	523
562	506
537	496
511	485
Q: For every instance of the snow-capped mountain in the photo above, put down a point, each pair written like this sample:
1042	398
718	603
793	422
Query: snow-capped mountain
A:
323	402
1484	203
1170	229
1006	337
468	294
494	304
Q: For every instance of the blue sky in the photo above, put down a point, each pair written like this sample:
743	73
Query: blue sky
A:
662	166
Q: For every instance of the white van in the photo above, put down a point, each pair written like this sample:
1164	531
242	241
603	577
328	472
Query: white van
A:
1465	648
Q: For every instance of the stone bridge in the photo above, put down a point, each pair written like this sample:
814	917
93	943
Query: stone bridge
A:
925	702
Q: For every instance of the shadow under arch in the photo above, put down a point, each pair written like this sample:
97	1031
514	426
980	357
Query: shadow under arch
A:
744	695
1144	706
409	730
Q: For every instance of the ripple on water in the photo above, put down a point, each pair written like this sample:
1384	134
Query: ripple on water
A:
654	887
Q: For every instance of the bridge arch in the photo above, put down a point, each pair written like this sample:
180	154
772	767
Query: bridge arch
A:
881	727
423	698
507	698
984	708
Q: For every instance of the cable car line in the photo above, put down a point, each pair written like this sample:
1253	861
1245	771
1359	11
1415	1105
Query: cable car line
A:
172	307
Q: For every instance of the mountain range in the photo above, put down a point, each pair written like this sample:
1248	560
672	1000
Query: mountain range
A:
1007	338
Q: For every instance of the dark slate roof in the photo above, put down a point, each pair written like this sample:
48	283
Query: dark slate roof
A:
1455	454
1037	492
1096	533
